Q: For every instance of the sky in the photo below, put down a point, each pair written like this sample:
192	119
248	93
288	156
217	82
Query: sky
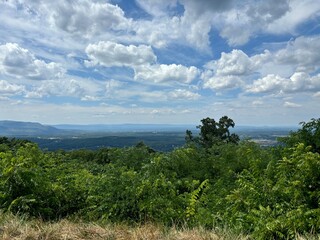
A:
162	62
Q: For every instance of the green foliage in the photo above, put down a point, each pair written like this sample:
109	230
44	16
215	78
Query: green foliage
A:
212	132
12	144
309	135
195	195
24	186
281	199
269	193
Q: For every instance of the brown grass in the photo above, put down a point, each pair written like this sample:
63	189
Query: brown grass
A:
15	228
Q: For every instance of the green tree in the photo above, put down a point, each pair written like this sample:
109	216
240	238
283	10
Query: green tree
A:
213	132
309	135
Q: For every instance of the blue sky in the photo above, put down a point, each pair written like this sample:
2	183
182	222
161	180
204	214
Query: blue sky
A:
169	61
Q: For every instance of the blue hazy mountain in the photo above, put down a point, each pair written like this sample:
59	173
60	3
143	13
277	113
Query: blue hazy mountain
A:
34	129
19	129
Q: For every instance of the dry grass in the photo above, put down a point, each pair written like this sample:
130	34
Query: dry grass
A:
15	228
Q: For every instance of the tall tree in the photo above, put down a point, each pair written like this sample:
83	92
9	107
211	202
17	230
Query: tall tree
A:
213	132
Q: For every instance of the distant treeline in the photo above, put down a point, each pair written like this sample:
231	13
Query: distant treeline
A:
162	141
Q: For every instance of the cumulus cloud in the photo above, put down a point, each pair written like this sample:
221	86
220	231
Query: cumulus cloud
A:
166	73
222	82
19	62
302	53
88	17
231	69
289	69
7	88
267	84
111	54
141	59
159	32
233	63
298	82
83	18
61	87
183	94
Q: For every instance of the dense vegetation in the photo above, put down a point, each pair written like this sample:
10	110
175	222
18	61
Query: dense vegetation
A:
214	180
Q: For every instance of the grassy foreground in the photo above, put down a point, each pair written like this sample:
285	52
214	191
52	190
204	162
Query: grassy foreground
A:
17	228
13	227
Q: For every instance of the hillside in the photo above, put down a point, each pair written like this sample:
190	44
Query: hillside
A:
22	129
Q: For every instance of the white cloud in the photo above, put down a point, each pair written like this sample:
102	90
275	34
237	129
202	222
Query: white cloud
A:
247	18
289	69
239	21
169	25
183	94
267	84
111	54
302	54
166	73
233	63
7	88
232	69
163	50
19	62
140	58
222	82
291	105
64	87
298	82
236	21
158	32
88	98
191	27
112	85
299	12
83	18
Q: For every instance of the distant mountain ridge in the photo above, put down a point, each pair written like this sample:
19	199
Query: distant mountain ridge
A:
162	137
33	129
18	129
